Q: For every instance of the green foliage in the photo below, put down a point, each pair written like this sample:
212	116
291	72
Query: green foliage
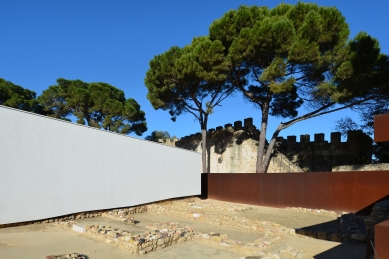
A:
98	105
190	79
290	49
159	135
17	97
364	72
291	55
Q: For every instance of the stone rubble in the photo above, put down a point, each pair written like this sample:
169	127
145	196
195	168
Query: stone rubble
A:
379	214
348	223
221	206
155	239
161	235
99	213
194	212
89	214
312	211
290	252
68	256
267	228
287	252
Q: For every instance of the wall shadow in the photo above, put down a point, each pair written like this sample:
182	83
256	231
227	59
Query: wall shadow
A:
345	250
368	209
331	232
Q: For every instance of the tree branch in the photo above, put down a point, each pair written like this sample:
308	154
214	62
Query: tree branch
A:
319	113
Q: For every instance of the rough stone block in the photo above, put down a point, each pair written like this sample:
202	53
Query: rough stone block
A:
248	122
291	139
238	125
79	228
335	137
305	138
319	138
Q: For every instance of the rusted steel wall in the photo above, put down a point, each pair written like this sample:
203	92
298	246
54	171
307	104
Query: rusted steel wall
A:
381	128
381	237
337	191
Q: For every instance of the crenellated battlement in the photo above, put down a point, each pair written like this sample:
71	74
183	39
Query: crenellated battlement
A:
233	148
335	137
247	127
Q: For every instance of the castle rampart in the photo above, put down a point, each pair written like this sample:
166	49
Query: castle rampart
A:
233	149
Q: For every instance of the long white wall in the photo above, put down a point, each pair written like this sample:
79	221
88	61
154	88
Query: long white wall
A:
50	168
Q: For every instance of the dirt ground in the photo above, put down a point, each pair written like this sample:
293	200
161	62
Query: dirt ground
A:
38	241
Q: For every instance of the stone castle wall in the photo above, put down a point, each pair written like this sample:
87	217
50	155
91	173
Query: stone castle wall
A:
320	155
233	149
370	167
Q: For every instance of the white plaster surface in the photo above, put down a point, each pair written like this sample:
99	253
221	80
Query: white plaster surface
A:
51	168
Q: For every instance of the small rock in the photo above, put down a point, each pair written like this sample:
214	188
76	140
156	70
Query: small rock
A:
335	237
358	236
205	236
216	238
224	236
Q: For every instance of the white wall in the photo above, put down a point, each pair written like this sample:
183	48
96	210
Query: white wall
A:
50	168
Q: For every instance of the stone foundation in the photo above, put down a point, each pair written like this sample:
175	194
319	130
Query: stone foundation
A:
99	213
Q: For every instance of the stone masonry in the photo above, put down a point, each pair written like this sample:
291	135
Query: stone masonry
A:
233	149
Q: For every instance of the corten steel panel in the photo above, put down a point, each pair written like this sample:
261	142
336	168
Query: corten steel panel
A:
381	237
253	188
381	128
341	194
213	187
315	190
227	189
291	190
367	196
271	190
339	191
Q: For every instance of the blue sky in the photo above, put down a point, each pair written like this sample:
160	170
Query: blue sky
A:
113	42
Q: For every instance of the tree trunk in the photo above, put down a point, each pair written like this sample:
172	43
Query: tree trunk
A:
204	143
262	138
269	151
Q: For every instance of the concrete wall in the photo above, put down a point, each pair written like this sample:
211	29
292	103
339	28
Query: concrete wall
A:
50	168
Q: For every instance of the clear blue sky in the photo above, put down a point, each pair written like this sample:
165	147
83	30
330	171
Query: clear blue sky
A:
113	42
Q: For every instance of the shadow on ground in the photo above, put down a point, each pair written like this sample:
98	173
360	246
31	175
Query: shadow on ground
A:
345	250
331	231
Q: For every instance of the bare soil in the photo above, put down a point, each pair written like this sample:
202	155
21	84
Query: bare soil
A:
38	241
